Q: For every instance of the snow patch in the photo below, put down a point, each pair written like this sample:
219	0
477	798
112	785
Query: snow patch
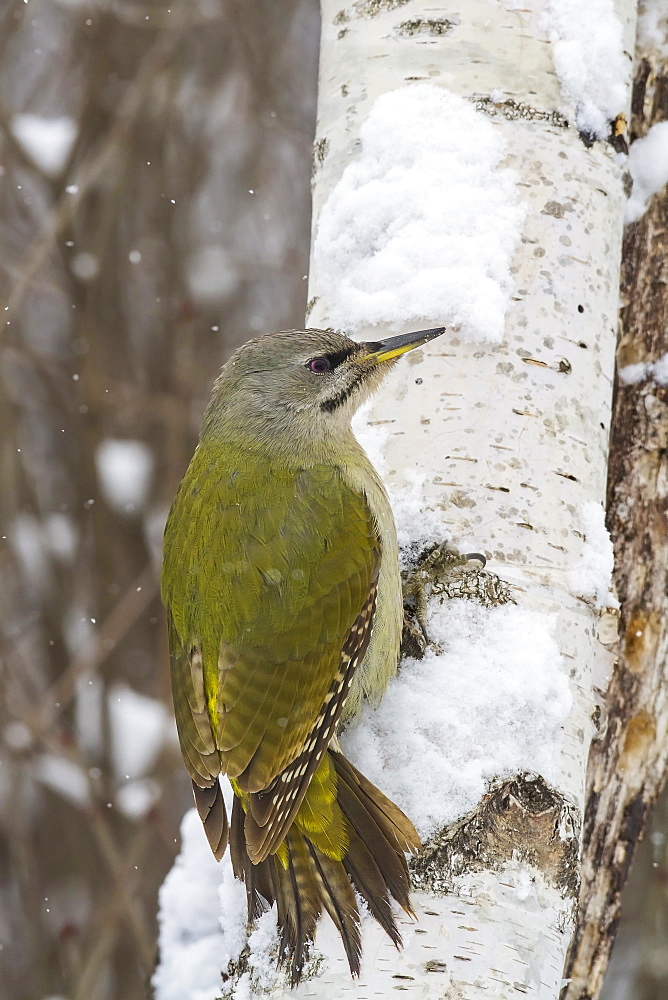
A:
592	577
17	736
232	900
47	141
124	468
657	370
61	536
27	540
193	947
139	727
85	266
64	777
88	715
632	374
648	166
489	705
652	26
419	231
372	439
212	274
154	530
588	51
77	629
418	526
136	798
263	975
33	541
660	370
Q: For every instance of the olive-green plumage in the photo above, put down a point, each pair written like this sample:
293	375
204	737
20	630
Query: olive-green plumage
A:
283	597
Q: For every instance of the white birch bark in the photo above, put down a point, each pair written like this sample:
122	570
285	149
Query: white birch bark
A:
513	442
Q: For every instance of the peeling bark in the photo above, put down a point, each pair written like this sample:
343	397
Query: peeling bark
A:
627	767
523	819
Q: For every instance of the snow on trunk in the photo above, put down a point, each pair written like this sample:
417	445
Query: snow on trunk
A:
461	176
456	181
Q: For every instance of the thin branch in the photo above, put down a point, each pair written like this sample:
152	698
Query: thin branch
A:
120	619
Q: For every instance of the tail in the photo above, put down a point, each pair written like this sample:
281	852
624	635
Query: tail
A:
303	879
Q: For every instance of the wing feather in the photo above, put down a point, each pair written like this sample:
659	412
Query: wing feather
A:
270	580
198	746
272	810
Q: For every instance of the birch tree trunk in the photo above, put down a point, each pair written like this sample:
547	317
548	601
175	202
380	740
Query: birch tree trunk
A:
628	765
512	440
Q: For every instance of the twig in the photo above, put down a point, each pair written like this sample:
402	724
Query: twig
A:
122	616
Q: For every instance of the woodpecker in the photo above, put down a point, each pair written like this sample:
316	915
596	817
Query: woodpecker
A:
284	605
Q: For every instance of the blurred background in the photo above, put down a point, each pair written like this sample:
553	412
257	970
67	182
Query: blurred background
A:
154	182
155	212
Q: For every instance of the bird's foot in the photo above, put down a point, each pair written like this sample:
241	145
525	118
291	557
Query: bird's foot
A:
438	570
442	571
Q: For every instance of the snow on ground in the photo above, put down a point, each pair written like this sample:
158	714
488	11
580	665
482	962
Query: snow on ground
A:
656	370
419	230
648	166
47	141
489	705
124	468
592	576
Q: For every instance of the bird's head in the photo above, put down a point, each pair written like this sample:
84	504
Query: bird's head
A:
305	382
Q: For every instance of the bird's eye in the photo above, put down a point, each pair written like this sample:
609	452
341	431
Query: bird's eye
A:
319	365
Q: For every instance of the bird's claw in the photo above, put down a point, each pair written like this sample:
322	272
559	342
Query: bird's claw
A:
418	584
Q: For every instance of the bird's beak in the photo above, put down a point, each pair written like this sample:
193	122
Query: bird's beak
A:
393	347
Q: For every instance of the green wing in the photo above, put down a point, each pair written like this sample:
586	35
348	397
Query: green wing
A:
190	709
266	571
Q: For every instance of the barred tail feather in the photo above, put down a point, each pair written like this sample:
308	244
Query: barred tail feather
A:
303	880
389	817
366	876
298	903
257	878
339	900
382	827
